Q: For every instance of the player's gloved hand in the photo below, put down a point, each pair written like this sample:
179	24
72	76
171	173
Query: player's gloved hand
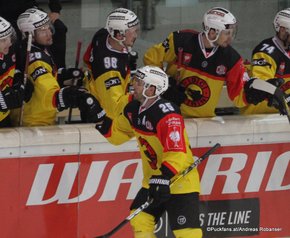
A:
159	189
91	110
174	93
255	96
70	77
68	96
194	94
18	84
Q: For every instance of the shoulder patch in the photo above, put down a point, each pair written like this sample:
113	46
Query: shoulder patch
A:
38	72
111	82
261	62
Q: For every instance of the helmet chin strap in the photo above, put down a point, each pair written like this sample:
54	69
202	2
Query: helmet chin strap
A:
212	42
121	43
147	97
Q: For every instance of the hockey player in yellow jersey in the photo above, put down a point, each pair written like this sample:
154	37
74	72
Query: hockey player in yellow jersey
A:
50	93
271	59
160	132
12	90
199	64
109	58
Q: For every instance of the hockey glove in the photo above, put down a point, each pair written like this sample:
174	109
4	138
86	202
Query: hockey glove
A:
255	96
18	84
91	111
174	93
159	189
70	77
68	97
11	98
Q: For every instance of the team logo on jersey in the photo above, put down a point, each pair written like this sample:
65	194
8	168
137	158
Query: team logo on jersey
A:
197	91
112	82
181	220
186	58
4	65
221	70
204	64
261	62
174	140
281	69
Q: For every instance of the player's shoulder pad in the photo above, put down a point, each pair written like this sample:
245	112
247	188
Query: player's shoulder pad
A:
37	54
266	46
161	109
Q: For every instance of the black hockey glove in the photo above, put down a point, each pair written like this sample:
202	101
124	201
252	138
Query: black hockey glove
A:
18	81
174	93
255	96
70	77
69	96
159	189
11	97
91	111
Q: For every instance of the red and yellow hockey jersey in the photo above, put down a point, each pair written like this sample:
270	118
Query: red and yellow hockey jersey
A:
269	60
196	69
162	140
7	71
41	108
110	74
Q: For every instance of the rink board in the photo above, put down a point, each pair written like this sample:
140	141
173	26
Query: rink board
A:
67	181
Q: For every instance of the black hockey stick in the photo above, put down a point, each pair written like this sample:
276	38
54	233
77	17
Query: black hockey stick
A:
78	53
28	49
147	204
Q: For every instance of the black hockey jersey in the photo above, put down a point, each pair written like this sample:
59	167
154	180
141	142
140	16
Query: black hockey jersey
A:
110	74
269	60
199	70
162	139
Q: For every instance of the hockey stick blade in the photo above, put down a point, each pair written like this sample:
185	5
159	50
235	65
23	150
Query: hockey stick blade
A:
147	204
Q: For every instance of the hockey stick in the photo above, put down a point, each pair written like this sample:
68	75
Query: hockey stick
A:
179	62
275	91
28	49
79	46
149	201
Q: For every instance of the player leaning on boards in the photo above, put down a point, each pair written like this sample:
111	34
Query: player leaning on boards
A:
165	151
271	59
110	58
12	91
200	64
48	97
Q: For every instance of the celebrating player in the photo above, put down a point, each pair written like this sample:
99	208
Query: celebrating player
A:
201	63
271	59
165	151
110	59
48	97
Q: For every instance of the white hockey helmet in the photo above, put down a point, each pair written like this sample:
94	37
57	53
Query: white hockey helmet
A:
153	76
219	19
121	19
5	28
282	18
31	20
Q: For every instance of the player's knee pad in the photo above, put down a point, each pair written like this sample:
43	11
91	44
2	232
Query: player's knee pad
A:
188	233
143	225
